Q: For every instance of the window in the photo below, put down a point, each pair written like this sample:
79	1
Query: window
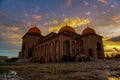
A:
90	51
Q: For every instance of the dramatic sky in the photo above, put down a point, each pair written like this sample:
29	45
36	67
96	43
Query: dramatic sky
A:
17	16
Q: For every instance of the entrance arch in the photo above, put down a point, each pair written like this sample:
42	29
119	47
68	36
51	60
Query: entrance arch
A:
66	51
67	48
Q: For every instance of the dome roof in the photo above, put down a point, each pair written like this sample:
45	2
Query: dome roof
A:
88	31
34	30
68	28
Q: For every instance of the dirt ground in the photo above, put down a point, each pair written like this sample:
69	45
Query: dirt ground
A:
53	71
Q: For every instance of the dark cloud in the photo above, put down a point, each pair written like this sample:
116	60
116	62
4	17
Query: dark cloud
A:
115	39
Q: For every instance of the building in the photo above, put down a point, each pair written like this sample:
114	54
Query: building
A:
3	59
66	45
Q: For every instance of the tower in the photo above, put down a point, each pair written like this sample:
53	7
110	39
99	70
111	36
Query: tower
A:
92	44
28	40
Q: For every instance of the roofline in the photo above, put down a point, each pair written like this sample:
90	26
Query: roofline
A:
92	34
31	34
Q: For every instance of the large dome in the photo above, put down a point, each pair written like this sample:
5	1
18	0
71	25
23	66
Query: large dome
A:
88	31
68	28
34	30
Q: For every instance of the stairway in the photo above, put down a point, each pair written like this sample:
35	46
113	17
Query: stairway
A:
24	60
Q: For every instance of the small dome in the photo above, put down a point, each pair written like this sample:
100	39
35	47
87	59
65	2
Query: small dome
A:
88	31
34	30
68	28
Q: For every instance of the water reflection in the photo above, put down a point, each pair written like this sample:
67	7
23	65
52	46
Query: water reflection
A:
113	78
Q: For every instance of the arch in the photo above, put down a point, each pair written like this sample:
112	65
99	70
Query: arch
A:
98	46
73	48
41	59
23	46
35	52
22	55
51	56
77	48
39	51
29	52
81	47
66	48
42	51
99	55
90	51
46	52
57	50
66	51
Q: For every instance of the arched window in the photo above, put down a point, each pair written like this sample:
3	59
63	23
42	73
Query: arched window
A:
51	57
57	50
46	52
90	52
38	51
98	46
77	48
23	46
99	54
73	48
42	52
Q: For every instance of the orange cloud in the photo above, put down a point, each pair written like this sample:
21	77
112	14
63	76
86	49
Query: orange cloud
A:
14	28
54	22
12	37
33	17
109	47
73	22
105	38
103	1
37	17
116	18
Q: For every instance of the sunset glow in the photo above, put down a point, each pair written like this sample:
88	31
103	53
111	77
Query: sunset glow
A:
17	17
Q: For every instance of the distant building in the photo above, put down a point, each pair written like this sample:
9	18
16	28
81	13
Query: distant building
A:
66	45
3	59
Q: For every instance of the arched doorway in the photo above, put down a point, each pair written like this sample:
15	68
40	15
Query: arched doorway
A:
66	47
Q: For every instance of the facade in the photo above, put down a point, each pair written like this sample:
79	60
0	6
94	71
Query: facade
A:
66	45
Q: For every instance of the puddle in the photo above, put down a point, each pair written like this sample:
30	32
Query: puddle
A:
11	74
114	78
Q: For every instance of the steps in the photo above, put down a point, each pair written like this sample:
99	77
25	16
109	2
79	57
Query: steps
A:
24	60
